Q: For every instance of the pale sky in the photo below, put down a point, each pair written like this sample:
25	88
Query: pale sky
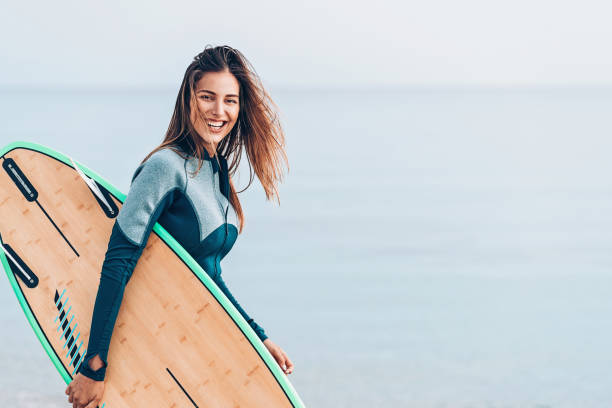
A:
312	44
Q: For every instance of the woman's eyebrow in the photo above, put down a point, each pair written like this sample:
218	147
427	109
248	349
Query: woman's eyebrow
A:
211	92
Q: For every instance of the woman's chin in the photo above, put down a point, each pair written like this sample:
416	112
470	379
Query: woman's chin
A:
212	139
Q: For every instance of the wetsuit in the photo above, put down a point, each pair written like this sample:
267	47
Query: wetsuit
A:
194	210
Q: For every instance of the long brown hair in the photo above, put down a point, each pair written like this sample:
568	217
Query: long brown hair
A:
257	128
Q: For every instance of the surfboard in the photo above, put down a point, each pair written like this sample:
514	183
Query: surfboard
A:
178	341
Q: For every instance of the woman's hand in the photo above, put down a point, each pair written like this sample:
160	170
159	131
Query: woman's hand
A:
83	392
279	355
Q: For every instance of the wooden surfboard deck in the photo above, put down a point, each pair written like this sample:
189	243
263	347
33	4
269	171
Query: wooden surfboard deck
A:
178	341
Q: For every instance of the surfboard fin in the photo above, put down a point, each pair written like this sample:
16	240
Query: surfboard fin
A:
25	274
22	182
109	207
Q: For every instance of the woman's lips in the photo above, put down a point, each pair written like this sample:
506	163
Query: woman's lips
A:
214	126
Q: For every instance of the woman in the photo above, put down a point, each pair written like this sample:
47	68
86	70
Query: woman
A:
185	185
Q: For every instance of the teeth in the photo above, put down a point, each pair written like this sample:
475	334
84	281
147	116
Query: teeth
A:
215	124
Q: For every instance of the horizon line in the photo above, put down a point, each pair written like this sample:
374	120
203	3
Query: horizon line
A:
386	87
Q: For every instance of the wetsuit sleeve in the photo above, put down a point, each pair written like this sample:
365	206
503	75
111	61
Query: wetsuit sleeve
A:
152	192
258	329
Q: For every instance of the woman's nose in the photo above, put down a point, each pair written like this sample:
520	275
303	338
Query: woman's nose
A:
217	108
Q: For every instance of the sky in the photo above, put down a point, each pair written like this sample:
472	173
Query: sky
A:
314	44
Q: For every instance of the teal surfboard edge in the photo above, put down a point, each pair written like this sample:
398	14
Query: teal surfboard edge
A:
177	248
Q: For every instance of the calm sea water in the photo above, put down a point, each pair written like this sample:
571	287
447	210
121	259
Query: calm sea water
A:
433	247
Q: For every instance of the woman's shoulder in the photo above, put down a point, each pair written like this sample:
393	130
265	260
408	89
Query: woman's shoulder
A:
163	165
168	158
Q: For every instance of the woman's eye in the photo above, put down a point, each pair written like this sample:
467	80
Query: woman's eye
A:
205	97
232	101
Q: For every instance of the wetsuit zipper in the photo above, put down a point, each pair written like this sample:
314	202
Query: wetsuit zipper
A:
217	191
217	258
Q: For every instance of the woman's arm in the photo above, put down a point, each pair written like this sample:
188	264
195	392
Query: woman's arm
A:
151	193
279	355
258	329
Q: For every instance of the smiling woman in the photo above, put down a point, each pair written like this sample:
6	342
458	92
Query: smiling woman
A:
220	85
185	184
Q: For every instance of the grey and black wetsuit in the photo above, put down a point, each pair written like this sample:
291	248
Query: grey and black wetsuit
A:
194	210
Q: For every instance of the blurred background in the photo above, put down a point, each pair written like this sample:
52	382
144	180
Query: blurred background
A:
443	237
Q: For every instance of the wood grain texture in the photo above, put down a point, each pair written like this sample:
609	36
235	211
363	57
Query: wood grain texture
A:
168	321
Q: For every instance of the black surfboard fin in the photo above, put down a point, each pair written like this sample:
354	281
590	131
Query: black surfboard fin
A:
19	267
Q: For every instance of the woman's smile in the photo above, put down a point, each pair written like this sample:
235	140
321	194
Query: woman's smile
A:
216	126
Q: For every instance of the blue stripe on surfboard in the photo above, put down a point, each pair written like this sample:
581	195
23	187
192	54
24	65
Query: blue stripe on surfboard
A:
76	353
72	336
60	312
60	298
76	367
67	326
62	321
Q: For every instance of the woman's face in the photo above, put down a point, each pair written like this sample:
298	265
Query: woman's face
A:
215	110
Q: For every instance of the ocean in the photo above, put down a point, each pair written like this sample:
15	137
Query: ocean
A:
433	247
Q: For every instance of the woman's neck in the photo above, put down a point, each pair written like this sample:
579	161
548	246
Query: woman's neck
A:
211	150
